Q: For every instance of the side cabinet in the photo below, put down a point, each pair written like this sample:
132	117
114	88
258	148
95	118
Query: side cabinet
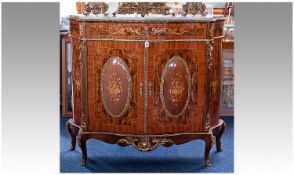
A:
146	83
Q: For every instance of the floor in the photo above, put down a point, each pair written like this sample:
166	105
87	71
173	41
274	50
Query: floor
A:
188	157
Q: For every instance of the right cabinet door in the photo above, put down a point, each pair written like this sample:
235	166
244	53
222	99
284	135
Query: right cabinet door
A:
176	77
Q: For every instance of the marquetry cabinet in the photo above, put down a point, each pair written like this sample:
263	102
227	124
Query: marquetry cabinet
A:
146	82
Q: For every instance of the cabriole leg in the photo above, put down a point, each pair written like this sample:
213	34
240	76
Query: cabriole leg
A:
209	141
82	143
71	130
218	137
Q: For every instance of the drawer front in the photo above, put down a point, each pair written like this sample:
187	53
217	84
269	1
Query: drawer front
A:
150	31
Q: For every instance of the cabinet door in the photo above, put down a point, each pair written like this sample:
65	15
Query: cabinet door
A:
176	87
115	73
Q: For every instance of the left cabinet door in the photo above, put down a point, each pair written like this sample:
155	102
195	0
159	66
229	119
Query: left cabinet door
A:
115	86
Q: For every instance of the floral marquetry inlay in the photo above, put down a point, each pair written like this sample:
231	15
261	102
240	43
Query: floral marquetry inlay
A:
116	86
118	30
177	88
183	31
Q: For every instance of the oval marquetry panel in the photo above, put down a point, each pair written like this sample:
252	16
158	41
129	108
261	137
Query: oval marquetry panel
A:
175	86
116	85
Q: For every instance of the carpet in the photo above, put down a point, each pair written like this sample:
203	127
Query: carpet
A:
188	157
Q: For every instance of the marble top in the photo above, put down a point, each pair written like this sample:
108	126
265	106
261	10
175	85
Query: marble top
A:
147	18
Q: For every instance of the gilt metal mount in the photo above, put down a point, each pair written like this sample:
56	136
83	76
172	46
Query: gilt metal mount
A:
96	8
143	8
194	8
145	144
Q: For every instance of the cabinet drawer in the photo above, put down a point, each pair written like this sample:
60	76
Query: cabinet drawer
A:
150	31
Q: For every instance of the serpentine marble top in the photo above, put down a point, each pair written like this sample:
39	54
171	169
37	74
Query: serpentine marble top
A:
147	18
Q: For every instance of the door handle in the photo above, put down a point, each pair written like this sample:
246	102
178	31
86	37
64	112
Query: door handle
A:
150	88
141	89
